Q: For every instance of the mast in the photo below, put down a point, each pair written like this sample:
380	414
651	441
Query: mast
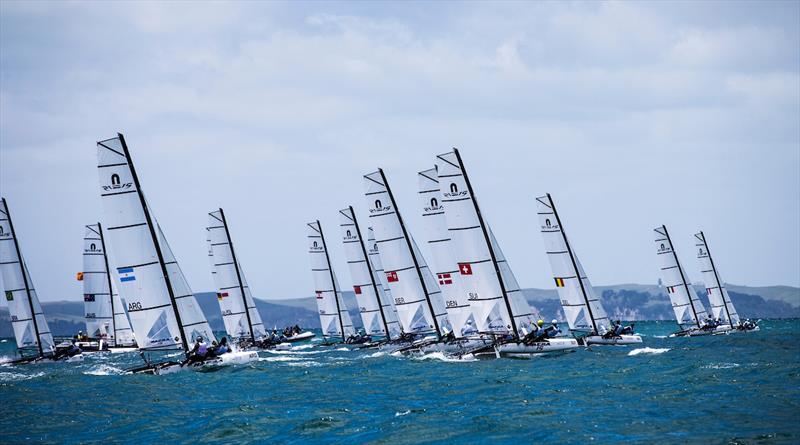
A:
24	277
683	278
371	275
333	280
488	243
108	277
238	275
716	277
574	263
157	245
413	256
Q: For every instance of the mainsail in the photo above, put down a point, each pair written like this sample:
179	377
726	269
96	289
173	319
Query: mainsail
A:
333	315
105	316
233	293
30	327
162	308
721	304
440	245
688	308
366	284
384	293
481	274
581	305
417	298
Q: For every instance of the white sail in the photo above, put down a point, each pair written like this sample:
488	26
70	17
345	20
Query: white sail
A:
689	310
97	301
142	257
124	333
479	273
720	301
333	315
232	288
366	285
418	300
581	304
30	327
525	315
440	246
384	293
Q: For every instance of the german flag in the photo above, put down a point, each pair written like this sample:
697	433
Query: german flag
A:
559	282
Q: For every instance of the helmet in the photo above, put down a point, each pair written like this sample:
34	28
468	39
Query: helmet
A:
555	321
540	323
199	338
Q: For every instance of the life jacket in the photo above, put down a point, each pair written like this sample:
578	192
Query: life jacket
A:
202	348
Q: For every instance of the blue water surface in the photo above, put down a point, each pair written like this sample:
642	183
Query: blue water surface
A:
742	388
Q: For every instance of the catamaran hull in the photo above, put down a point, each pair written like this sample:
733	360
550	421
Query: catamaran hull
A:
625	339
300	337
696	332
42	360
228	359
522	350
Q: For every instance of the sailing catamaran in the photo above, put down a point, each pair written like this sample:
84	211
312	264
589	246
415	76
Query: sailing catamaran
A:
689	310
107	322
500	309
385	294
163	310
34	341
420	308
333	315
379	319
721	305
585	313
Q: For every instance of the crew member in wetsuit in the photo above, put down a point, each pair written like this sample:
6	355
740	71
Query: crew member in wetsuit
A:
537	330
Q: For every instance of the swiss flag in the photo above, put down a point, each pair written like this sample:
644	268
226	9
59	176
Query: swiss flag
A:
357	290
465	268
391	277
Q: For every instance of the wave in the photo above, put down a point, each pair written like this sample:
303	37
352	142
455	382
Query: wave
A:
280	358
408	411
104	370
301	347
16	376
5	359
375	354
721	366
638	351
445	358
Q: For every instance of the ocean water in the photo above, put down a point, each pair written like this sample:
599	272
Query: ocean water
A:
742	388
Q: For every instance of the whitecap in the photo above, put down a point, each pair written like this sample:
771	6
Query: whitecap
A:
280	358
375	354
444	358
305	364
638	351
404	413
104	370
301	347
5	358
721	366
16	376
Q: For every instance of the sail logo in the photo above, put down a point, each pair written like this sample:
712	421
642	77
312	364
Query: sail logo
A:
316	247
348	236
434	206
92	248
116	184
3	233
454	192
126	274
379	207
663	248
548	225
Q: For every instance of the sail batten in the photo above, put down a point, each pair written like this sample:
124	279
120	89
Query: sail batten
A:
689	310
163	312
31	330
416	295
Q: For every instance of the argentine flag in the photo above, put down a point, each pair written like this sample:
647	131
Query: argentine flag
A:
126	274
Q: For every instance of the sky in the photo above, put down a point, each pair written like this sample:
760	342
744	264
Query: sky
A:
631	114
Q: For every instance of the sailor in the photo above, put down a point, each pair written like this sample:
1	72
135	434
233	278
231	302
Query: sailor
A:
223	346
70	351
296	330
468	329
628	330
450	336
618	328
199	351
552	330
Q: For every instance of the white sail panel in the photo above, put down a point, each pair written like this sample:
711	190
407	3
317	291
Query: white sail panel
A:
444	263
524	314
582	307
720	301
413	298
333	315
20	294
232	288
97	302
689	310
384	294
124	335
365	287
478	275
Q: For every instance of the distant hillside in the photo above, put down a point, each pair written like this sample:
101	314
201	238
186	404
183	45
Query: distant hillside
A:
624	301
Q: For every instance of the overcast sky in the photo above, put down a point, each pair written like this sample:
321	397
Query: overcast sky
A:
630	114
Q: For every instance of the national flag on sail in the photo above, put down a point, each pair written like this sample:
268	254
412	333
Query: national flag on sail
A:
391	277
559	282
671	289
79	276
357	290
126	274
88	297
319	295
221	295
465	268
445	278
9	295
708	291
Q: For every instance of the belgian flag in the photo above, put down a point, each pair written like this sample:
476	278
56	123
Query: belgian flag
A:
559	282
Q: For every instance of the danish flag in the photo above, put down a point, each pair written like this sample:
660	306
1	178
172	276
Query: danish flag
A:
391	277
465	268
445	278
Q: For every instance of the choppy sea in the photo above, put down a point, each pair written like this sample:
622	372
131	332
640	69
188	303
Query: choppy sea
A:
741	388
